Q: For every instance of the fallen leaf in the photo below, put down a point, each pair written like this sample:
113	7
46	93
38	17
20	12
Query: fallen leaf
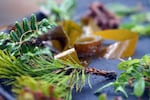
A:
73	30
125	42
69	54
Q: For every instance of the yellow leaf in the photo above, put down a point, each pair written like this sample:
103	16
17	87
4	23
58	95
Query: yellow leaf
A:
125	42
69	54
73	31
58	38
90	27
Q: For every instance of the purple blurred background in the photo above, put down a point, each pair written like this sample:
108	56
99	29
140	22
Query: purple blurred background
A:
12	10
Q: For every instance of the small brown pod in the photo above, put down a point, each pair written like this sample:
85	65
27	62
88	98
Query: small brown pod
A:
88	46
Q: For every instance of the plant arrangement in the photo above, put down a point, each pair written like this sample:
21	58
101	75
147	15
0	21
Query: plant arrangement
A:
135	74
37	59
25	59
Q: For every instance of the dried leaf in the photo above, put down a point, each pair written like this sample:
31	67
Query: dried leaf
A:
90	27
125	43
69	54
58	37
73	31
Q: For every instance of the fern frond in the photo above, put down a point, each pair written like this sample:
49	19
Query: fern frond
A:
23	40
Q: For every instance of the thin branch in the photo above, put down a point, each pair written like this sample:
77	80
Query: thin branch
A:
107	74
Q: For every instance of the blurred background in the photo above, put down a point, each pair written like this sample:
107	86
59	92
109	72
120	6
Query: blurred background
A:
12	10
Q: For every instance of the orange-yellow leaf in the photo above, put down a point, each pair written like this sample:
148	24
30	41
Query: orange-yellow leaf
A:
125	42
73	31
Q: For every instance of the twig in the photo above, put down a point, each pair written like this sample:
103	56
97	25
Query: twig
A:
94	71
107	74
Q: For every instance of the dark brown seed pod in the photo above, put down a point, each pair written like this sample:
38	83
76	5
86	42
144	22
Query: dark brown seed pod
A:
101	16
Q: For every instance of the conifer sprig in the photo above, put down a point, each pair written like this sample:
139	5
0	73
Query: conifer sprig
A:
52	71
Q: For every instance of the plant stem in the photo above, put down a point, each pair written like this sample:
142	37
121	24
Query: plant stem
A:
107	74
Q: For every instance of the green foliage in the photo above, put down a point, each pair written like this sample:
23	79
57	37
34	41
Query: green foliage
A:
121	9
33	21
102	97
137	23
135	73
137	20
139	87
45	25
139	28
3	39
37	89
105	86
140	17
61	74
23	40
21	55
60	11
